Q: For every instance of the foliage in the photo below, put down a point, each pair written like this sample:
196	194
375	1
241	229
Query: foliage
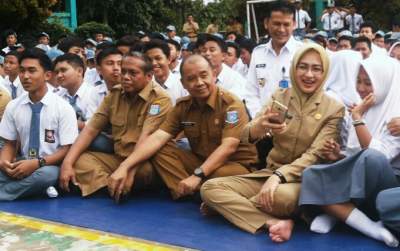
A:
87	30
24	15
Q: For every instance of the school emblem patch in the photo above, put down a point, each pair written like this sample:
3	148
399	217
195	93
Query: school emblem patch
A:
232	117
154	109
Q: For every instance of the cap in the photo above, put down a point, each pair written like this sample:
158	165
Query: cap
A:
171	28
44	34
321	34
332	39
54	53
90	54
395	36
379	33
91	41
346	33
330	5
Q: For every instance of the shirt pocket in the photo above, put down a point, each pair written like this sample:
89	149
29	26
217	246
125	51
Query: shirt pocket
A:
262	75
117	127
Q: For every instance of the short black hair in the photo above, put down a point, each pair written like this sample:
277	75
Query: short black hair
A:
234	46
174	43
231	32
157	44
147	66
10	32
207	38
248	44
282	6
72	59
348	38
103	45
69	42
128	40
362	40
13	53
368	24
39	55
112	50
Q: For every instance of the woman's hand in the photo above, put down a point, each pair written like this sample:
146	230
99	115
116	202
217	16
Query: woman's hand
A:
357	111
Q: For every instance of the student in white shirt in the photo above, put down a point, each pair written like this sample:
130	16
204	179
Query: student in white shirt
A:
331	21
12	82
214	50
270	63
11	40
69	69
303	20
233	60
367	29
159	54
354	20
369	161
175	54
44	124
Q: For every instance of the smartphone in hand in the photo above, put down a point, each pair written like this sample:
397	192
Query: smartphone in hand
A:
281	110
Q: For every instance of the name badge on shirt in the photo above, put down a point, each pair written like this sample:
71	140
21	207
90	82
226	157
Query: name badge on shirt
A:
49	136
188	123
232	117
260	65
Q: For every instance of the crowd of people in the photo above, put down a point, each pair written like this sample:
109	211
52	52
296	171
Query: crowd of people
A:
305	124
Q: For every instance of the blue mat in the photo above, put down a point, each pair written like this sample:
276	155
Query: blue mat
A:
157	218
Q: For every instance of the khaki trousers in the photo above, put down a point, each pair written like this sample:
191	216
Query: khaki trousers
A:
236	199
94	168
174	164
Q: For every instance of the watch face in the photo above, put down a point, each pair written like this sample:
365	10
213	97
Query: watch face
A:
198	171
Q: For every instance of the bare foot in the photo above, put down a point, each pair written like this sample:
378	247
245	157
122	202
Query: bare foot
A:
205	210
280	230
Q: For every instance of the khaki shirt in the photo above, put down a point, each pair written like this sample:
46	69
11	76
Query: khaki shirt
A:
299	146
190	29
223	116
129	116
4	99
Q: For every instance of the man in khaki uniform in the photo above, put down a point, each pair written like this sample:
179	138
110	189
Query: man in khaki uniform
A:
190	28
269	197
212	120
135	110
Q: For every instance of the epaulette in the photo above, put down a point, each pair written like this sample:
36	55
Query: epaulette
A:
183	99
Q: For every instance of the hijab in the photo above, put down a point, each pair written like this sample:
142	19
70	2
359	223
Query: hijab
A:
384	73
304	98
392	47
341	82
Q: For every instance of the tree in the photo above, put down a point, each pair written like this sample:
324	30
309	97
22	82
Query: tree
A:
24	15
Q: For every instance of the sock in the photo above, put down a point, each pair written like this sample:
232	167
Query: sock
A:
52	192
359	221
323	224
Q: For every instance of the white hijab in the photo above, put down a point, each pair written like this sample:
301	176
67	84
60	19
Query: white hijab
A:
384	73
392	47
341	82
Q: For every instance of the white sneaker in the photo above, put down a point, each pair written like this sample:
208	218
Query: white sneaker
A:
52	192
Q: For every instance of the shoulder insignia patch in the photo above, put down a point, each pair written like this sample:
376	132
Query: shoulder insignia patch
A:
154	109
232	117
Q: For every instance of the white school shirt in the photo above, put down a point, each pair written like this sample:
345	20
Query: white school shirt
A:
82	101
173	87
241	68
302	18
358	20
95	98
91	76
265	73
336	21
6	84
56	117
232	81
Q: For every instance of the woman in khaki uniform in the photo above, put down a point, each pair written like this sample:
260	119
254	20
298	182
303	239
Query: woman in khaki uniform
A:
269	197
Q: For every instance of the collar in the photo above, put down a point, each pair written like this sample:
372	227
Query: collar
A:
290	46
45	100
146	91
211	101
222	75
16	82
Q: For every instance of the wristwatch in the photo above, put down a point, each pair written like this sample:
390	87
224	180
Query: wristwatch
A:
199	173
358	122
42	162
